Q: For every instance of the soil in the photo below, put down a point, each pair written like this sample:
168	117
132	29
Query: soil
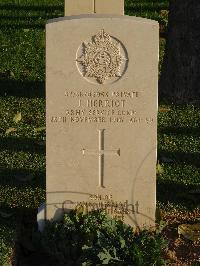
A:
181	252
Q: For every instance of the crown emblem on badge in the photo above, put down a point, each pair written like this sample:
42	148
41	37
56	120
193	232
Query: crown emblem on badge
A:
101	58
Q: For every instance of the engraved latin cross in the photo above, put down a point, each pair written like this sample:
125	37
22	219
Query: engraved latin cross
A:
101	153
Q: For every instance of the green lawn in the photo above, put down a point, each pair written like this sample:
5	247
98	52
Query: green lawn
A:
22	142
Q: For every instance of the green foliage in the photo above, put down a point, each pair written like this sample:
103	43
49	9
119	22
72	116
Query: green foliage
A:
164	17
96	239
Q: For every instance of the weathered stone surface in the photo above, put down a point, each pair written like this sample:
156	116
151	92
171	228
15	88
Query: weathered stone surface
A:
101	96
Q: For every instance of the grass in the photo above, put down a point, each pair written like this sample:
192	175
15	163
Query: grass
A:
22	151
178	153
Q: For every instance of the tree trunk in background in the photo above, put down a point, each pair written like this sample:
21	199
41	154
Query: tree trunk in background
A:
180	75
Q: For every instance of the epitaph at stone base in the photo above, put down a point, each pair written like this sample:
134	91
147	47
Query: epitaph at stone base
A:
101	137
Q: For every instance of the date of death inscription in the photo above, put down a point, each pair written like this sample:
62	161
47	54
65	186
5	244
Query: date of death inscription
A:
102	107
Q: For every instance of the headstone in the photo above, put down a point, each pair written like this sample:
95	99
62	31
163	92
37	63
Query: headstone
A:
109	7
73	7
101	117
77	7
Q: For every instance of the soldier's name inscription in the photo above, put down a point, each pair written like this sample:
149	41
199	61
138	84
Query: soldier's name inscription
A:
101	107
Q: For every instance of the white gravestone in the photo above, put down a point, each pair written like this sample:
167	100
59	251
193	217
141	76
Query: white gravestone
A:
101	117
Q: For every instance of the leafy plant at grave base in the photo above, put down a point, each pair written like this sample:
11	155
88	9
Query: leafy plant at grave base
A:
96	239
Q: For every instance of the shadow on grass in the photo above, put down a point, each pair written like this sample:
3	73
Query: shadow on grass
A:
21	25
29	89
187	196
26	18
145	8
21	178
179	157
27	249
25	22
19	7
12	220
180	130
15	16
21	144
9	223
28	23
12	216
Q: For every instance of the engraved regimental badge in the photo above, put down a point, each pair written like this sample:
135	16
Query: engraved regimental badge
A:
102	60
